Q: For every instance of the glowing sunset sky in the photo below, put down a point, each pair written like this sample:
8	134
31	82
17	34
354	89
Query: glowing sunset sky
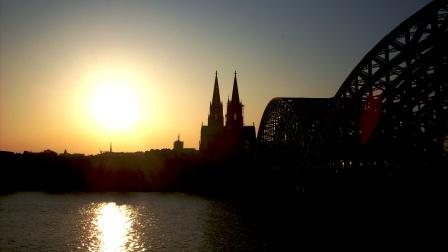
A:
57	56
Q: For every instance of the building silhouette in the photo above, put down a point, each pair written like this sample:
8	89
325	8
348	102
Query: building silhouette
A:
178	145
233	137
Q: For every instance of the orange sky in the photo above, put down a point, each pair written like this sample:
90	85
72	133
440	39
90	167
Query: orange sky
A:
56	55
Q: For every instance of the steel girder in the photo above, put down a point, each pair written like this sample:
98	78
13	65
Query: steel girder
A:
402	82
392	105
294	126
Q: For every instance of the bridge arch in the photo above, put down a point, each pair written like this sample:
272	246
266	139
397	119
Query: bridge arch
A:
401	86
294	126
392	106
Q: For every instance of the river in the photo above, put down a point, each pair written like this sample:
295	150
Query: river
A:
32	221
149	221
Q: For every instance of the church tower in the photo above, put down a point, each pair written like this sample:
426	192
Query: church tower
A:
215	118
219	141
234	116
210	134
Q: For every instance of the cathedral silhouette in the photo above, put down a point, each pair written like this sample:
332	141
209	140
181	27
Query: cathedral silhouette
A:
233	137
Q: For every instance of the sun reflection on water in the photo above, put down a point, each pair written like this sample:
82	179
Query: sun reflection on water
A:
112	227
114	224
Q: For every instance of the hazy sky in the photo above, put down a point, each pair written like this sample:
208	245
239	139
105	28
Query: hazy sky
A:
54	56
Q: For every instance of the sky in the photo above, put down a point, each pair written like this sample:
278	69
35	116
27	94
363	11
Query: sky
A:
78	75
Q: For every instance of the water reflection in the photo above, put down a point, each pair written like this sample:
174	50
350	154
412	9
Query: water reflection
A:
112	227
133	222
113	223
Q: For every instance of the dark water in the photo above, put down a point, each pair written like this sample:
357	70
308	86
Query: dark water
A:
123	222
182	222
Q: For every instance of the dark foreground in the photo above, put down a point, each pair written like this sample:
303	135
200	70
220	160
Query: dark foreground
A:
204	205
191	172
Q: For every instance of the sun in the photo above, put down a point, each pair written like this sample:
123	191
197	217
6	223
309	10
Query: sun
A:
114	106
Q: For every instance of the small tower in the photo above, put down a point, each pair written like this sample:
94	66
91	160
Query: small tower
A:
178	145
110	147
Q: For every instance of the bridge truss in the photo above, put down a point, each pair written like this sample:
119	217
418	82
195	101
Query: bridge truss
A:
391	111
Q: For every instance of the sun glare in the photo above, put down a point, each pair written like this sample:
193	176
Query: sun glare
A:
115	106
119	103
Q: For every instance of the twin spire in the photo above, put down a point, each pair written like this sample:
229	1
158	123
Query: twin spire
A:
234	116
221	140
216	97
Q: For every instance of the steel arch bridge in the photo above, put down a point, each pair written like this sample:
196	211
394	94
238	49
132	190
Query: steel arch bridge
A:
391	111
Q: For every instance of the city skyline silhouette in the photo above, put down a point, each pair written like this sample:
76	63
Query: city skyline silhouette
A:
389	114
221	125
57	63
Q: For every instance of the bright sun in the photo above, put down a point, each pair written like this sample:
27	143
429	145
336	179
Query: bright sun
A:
114	106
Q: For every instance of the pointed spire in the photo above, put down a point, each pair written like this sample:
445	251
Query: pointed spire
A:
215	118
216	97
234	116
235	95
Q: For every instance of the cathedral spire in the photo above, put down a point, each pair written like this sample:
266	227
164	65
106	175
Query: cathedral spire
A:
215	118
216	97
235	94
234	116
